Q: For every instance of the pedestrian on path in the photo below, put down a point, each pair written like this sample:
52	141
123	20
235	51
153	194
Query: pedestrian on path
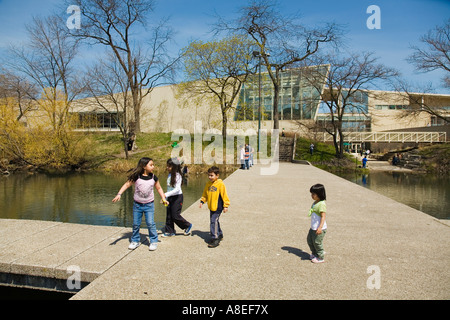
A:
144	181
215	193
247	156
364	162
318	224
311	148
174	195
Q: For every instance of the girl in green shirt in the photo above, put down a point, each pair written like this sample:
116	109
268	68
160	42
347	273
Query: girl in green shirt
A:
318	224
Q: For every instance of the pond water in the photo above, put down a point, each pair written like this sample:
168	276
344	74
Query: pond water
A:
84	198
429	193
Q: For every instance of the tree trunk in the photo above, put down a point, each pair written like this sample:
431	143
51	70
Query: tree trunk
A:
276	114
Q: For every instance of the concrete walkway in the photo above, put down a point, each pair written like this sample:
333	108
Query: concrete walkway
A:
371	240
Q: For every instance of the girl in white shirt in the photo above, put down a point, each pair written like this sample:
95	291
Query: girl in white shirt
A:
174	195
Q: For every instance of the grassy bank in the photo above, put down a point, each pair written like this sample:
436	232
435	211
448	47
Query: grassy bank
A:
324	157
107	153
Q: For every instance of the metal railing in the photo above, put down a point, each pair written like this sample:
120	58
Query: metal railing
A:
426	137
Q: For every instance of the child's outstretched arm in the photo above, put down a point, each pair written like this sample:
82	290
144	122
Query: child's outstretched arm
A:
125	186
161	192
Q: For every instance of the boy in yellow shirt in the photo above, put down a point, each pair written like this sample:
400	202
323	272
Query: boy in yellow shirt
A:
215	193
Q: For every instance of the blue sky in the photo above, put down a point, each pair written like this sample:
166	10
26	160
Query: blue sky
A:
403	22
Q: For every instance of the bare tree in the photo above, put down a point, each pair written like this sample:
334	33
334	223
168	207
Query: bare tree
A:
347	81
436	53
47	62
110	92
422	100
116	24
218	68
23	92
281	39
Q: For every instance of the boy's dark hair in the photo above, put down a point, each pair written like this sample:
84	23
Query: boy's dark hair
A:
214	170
319	190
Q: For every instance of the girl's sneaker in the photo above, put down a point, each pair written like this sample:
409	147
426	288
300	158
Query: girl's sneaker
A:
133	245
187	231
317	260
153	246
167	235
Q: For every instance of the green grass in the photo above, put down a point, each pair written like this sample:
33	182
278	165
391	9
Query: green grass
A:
324	156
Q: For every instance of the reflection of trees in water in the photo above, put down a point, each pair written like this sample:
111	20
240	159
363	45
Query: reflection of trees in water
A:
81	198
424	192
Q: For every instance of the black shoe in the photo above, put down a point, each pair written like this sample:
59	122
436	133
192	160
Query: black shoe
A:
220	237
214	243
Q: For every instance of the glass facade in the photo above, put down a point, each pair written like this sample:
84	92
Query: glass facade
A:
102	120
299	97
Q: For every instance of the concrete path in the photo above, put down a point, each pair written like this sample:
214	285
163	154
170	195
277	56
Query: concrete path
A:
371	240
39	253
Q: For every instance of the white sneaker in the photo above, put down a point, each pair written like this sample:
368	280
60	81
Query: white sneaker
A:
152	246
133	245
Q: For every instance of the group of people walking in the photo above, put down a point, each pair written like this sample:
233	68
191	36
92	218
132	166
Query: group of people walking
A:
214	194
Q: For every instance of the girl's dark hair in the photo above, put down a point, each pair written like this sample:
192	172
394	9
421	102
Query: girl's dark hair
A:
175	166
319	190
139	170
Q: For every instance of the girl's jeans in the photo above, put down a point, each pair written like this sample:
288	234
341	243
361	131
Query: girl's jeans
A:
148	210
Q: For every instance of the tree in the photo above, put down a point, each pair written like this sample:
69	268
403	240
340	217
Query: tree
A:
436	53
109	90
116	24
218	68
347	81
17	91
281	39
46	62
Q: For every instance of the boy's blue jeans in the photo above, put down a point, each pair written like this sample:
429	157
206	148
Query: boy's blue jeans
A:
215	229
148	210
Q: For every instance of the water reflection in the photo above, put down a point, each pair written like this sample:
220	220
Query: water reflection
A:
81	198
424	192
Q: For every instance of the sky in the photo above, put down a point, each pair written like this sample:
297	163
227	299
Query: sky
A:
402	24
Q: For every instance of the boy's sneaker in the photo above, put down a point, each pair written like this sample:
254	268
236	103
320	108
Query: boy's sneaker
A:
317	260
187	231
152	246
214	243
311	256
133	245
167	235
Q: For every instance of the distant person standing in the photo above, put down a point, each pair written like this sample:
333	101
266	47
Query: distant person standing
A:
364	162
311	148
247	156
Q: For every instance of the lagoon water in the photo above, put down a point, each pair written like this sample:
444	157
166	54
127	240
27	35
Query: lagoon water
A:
84	198
429	193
